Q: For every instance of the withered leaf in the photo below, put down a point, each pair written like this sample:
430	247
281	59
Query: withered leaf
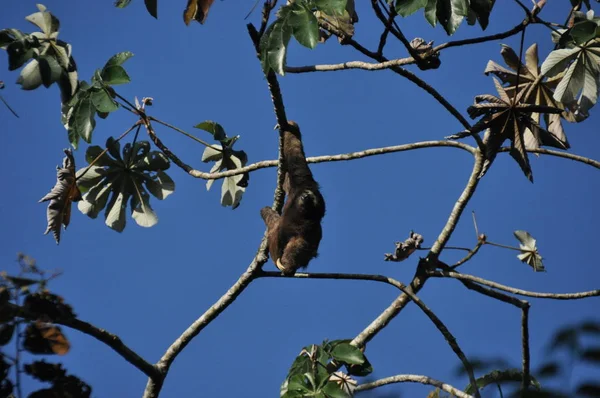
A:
45	338
197	10
507	117
46	304
65	192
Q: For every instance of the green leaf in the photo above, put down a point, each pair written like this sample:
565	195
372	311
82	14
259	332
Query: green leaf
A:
347	353
333	390
114	75
118	59
501	376
95	199
21	51
122	3
276	47
152	7
44	20
214	128
361	370
161	185
82	120
115	211
212	153
142	213
450	14
331	7
482	9
304	25
583	31
231	192
430	12
408	7
103	102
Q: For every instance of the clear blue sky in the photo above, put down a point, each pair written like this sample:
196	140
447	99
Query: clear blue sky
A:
148	285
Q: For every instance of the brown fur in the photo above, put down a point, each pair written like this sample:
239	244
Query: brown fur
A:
294	237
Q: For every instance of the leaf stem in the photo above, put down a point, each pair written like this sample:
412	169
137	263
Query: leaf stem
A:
193	137
503	246
138	124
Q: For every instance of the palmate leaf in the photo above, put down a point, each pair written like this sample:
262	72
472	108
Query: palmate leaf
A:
116	180
65	192
97	98
300	20
506	117
529	252
225	158
579	69
449	13
538	91
50	59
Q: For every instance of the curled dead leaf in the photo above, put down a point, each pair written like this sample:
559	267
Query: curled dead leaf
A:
65	192
196	10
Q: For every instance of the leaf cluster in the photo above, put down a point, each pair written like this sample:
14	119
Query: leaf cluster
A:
448	13
48	59
41	336
311	374
297	19
113	179
97	98
569	339
225	158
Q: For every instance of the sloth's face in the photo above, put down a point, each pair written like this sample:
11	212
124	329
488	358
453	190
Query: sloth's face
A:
311	204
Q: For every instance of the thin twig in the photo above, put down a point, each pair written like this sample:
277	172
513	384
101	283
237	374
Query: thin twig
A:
413	379
509	289
193	137
469	255
560	154
8	106
93	162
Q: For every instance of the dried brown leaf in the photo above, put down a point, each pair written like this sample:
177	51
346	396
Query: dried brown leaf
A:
65	192
196	10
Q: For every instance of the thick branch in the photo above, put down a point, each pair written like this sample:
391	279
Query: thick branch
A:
111	340
413	379
153	387
521	292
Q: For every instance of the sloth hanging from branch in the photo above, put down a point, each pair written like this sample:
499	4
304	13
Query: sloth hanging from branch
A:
294	236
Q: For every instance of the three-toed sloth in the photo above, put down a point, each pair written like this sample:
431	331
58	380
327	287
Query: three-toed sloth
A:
294	236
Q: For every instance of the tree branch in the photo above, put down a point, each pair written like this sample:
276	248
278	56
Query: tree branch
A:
413	379
458	209
407	292
111	340
350	65
495	285
153	386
